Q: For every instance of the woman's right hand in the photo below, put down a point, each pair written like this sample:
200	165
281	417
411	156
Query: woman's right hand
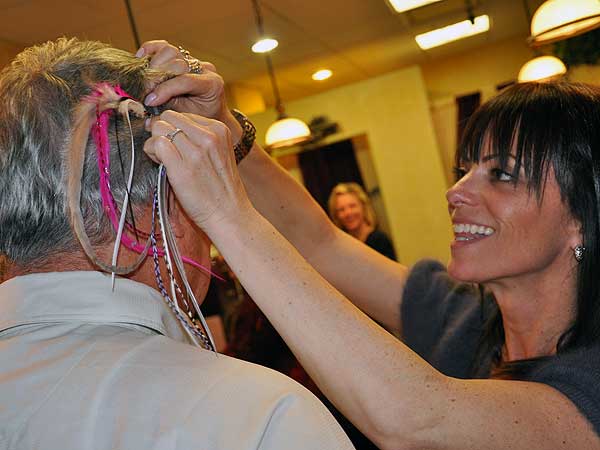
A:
200	166
198	93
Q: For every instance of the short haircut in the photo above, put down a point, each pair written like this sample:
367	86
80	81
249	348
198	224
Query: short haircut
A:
39	92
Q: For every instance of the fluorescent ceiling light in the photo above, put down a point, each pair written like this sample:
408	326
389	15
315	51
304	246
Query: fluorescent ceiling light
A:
264	45
322	74
406	5
453	32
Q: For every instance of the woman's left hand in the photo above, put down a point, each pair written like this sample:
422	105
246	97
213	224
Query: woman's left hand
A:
196	152
197	93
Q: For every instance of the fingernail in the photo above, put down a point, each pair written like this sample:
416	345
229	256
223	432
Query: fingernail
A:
147	123
140	52
150	99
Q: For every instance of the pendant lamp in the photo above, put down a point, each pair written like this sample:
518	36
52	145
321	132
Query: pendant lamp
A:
555	20
542	68
285	131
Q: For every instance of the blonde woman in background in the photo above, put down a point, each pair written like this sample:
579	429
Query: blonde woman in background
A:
350	209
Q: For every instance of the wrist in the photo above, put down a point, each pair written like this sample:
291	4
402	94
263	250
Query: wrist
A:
227	228
234	126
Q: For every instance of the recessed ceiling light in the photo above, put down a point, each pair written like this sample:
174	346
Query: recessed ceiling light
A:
453	32
264	45
405	5
321	75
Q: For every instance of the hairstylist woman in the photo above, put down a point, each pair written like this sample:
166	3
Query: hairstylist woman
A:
508	333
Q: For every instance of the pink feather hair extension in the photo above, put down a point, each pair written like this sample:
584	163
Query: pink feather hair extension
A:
94	113
103	98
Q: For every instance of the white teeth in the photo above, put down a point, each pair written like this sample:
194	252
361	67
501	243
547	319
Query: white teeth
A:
472	229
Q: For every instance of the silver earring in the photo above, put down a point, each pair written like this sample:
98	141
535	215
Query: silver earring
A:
578	252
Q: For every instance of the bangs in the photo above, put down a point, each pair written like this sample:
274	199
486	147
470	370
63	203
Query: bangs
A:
528	122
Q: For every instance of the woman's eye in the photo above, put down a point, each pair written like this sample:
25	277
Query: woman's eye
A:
501	175
459	172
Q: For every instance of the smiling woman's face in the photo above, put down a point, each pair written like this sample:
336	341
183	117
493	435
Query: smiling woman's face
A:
349	211
501	230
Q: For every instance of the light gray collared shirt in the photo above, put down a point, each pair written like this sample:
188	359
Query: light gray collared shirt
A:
82	367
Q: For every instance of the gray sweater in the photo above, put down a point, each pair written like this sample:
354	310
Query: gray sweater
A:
442	321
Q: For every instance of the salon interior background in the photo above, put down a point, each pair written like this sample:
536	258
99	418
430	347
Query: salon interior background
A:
383	88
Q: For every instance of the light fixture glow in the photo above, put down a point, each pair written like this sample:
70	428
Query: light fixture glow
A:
287	131
401	6
453	32
322	74
542	68
264	45
560	19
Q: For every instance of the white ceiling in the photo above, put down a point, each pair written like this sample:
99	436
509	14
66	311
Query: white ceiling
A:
357	39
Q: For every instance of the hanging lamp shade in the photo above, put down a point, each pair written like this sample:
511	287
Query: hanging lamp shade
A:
561	19
542	68
287	131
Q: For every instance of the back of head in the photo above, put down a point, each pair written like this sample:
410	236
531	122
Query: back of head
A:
356	190
40	90
552	125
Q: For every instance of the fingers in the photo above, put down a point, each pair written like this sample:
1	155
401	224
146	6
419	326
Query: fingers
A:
193	85
160	149
201	93
162	54
198	135
202	132
200	165
151	48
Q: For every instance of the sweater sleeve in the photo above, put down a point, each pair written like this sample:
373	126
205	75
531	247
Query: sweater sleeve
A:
576	374
441	318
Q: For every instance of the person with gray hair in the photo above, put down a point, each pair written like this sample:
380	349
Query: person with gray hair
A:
90	364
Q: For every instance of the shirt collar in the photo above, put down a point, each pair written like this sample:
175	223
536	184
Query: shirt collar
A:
84	297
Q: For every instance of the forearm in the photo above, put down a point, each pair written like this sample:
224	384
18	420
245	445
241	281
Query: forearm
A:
285	203
369	280
372	378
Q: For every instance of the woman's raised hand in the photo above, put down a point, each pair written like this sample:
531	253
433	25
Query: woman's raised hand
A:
200	166
201	93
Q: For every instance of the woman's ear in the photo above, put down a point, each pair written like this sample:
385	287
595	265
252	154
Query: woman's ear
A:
575	233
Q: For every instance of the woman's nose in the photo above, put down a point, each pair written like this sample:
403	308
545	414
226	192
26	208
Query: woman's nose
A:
464	192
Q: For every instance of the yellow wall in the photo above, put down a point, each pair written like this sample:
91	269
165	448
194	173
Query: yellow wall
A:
393	111
7	52
479	70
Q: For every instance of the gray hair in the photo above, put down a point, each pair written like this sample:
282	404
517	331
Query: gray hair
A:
39	91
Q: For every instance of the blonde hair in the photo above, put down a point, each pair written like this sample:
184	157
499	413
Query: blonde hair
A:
360	194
